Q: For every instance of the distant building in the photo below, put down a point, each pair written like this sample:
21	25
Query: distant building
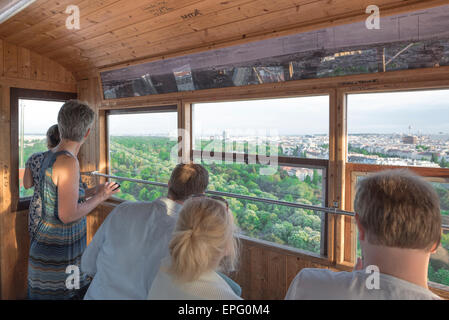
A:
410	140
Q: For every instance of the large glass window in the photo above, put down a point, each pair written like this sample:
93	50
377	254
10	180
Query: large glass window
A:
405	41
409	129
299	127
268	149
140	147
35	117
399	128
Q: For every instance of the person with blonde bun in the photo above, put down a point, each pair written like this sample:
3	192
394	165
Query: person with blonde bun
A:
203	244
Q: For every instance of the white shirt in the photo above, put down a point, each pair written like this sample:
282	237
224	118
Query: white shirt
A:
210	286
125	253
321	284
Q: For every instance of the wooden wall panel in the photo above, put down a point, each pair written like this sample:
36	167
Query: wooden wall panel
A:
11	59
24	63
89	156
19	68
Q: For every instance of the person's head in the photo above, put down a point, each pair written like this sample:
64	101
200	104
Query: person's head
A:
396	208
53	138
187	179
203	240
75	120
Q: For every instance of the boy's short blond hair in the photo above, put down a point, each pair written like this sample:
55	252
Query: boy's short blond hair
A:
399	209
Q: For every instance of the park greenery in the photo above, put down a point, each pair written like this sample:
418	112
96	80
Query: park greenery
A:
148	158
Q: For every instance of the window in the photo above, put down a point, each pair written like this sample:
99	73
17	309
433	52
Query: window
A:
299	127
403	129
268	149
140	147
32	113
35	117
405	41
399	128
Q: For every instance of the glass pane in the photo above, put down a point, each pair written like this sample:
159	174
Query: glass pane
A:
407	41
399	128
293	127
35	117
439	262
294	227
140	147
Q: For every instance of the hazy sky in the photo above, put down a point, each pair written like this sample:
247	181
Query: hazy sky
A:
424	111
286	116
39	115
144	123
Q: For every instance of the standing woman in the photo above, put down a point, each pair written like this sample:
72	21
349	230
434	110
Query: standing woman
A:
31	179
61	234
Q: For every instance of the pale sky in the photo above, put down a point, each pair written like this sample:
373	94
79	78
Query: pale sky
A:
307	115
144	124
424	111
39	115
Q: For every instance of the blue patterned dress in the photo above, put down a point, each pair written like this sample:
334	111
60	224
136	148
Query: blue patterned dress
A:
56	249
35	212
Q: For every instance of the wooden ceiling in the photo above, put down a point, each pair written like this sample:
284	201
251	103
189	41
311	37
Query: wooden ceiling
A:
117	31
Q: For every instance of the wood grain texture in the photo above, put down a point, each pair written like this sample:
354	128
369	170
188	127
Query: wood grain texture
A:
19	68
117	31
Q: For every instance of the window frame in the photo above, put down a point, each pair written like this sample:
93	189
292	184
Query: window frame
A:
352	170
322	164
17	203
160	108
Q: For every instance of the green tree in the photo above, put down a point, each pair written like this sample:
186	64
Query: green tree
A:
434	158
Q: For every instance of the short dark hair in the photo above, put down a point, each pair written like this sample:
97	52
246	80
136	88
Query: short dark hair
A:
53	138
399	209
187	179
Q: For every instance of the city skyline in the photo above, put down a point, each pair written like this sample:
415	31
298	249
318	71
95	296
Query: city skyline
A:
373	113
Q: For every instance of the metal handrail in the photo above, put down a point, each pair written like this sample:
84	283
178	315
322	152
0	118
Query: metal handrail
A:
239	196
231	195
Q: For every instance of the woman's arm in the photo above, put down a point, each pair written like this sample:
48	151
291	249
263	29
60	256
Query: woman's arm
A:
66	177
27	178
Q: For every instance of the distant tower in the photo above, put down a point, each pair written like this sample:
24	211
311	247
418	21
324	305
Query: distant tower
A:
409	130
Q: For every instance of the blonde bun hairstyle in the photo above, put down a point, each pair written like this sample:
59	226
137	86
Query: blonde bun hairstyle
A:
203	240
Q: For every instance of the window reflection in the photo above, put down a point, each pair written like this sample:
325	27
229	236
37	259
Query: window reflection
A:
409	41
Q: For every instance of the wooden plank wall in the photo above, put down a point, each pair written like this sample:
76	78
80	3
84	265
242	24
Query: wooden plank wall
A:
21	68
90	155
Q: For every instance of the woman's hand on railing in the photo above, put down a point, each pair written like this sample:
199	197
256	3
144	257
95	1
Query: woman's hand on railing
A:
105	191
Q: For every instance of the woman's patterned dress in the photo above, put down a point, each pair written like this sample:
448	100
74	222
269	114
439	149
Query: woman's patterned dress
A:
35	213
56	250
